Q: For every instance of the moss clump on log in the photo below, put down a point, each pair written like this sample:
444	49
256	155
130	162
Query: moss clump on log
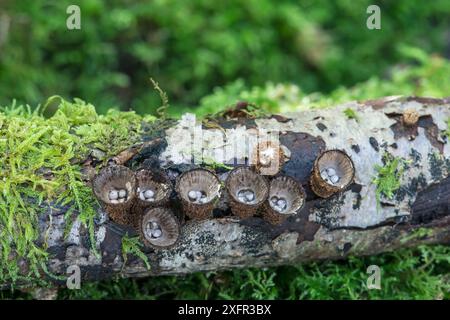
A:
351	114
132	245
42	158
388	176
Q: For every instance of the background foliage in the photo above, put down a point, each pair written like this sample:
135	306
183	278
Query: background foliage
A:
191	47
283	55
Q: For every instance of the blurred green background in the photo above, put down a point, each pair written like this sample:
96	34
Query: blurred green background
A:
283	55
192	47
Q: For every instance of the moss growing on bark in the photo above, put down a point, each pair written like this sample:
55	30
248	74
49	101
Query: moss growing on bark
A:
351	114
41	162
132	245
388	177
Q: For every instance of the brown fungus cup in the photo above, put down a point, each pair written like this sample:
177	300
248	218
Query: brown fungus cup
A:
153	189
246	190
199	190
114	187
286	198
333	171
159	228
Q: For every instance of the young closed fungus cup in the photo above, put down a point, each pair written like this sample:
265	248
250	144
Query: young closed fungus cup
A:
333	172
114	187
199	190
159	228
269	158
286	198
153	189
246	190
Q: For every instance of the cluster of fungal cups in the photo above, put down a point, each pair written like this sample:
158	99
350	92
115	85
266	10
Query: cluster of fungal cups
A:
246	191
136	199
141	199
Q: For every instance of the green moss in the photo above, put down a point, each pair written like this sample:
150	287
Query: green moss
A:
41	161
162	110
214	165
388	177
420	273
133	246
351	114
426	75
420	233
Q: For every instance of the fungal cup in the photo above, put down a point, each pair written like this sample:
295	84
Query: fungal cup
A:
246	190
286	198
198	189
159	228
153	188
114	187
333	171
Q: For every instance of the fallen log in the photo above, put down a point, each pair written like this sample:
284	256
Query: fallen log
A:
366	218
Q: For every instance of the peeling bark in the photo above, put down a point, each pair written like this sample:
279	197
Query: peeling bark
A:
348	223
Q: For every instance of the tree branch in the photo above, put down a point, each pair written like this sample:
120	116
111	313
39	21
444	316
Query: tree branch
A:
354	222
